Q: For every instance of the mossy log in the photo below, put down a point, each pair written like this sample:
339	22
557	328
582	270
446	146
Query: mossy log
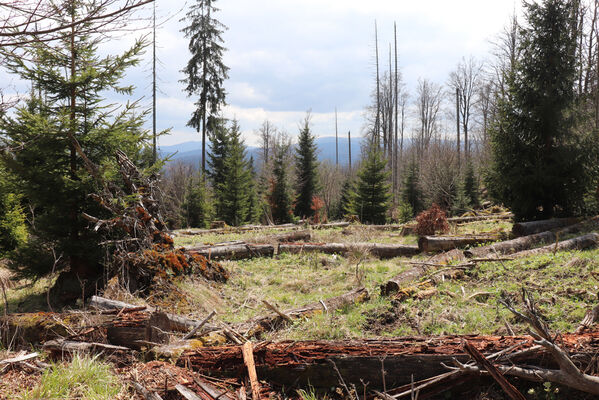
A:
318	364
532	227
379	250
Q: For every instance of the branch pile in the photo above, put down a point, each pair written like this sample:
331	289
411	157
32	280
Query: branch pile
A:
142	251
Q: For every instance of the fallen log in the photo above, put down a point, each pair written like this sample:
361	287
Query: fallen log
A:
102	303
590	240
299	364
329	225
61	346
295	236
235	252
429	244
457	220
255	327
376	249
532	227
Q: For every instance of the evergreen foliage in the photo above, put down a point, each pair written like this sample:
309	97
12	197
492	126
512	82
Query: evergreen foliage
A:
345	198
196	207
279	197
235	189
538	165
411	193
370	200
254	207
306	165
71	79
217	163
205	71
13	231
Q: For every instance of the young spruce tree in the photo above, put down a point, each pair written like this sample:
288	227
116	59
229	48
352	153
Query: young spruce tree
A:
69	119
217	163
538	166
235	190
370	201
279	197
306	165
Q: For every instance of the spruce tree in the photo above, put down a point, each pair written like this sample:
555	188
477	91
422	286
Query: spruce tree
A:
196	204
470	186
306	166
217	163
370	201
69	119
253	213
236	187
205	71
538	164
344	206
279	197
13	231
410	192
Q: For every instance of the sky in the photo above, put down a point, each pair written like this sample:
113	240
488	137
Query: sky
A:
290	56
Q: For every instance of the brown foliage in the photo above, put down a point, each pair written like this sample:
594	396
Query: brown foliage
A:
432	221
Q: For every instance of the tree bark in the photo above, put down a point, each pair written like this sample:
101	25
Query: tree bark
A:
587	241
235	252
299	364
532	227
443	243
376	249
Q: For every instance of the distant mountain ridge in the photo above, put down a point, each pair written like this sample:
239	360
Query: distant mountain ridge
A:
191	152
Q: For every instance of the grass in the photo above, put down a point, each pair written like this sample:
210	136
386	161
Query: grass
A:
464	306
82	378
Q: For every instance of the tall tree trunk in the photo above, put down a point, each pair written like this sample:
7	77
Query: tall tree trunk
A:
349	144
378	92
336	141
395	103
457	116
154	150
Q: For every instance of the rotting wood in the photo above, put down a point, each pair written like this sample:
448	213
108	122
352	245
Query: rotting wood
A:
20	358
299	364
235	251
429	244
532	227
507	387
102	303
379	250
69	346
200	325
248	360
589	319
145	393
187	393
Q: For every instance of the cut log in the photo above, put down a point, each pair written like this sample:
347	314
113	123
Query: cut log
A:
248	360
331	225
145	393
295	236
376	249
235	252
587	241
102	303
429	244
489	217
532	227
299	364
187	393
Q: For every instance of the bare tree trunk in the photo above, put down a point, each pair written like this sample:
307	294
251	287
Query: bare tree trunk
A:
349	144
378	91
154	150
457	116
395	104
336	141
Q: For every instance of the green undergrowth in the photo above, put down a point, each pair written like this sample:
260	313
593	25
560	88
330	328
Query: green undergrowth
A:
82	378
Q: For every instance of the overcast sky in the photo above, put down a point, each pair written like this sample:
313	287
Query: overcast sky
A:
288	56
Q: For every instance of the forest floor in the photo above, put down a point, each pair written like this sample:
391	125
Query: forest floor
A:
565	285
